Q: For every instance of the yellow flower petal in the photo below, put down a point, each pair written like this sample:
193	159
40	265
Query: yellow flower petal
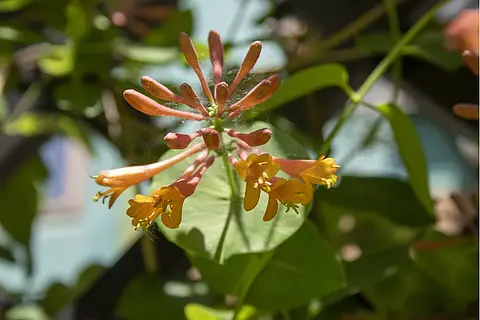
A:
272	208
252	196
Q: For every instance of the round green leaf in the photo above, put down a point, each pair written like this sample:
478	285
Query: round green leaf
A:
303	268
206	228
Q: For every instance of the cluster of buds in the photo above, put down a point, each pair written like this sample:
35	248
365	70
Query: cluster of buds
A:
243	150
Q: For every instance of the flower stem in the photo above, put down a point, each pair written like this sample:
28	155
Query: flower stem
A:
381	68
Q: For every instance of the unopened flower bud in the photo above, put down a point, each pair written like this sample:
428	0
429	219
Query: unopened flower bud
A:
179	140
253	139
211	137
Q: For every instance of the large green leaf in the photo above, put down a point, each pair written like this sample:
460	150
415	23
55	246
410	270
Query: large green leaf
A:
19	199
429	47
391	198
205	227
302	268
304	82
411	151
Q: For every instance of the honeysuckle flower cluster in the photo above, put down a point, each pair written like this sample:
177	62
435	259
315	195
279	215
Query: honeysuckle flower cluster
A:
240	150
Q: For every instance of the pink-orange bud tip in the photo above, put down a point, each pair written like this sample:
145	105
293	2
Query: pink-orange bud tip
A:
178	140
211	137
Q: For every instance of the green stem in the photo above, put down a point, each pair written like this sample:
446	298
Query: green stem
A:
396	34
234	196
256	265
381	68
231	181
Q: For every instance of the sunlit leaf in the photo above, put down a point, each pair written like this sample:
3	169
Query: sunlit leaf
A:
411	150
304	82
59	61
205	227
302	268
148	54
33	124
13	5
194	311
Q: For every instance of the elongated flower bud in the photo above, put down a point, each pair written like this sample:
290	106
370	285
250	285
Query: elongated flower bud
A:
148	106
247	64
194	165
221	96
128	176
190	97
253	97
187	185
158	90
211	137
216	55
191	56
179	140
253	139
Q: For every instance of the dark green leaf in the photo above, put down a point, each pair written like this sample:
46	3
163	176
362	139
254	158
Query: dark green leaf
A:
411	151
451	261
391	198
78	98
19	199
145	298
6	254
167	34
195	311
302	268
205	228
87	277
56	297
77	19
304	82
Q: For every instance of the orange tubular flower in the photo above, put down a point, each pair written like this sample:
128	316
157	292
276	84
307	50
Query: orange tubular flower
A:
166	202
462	36
120	179
256	171
321	172
288	192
